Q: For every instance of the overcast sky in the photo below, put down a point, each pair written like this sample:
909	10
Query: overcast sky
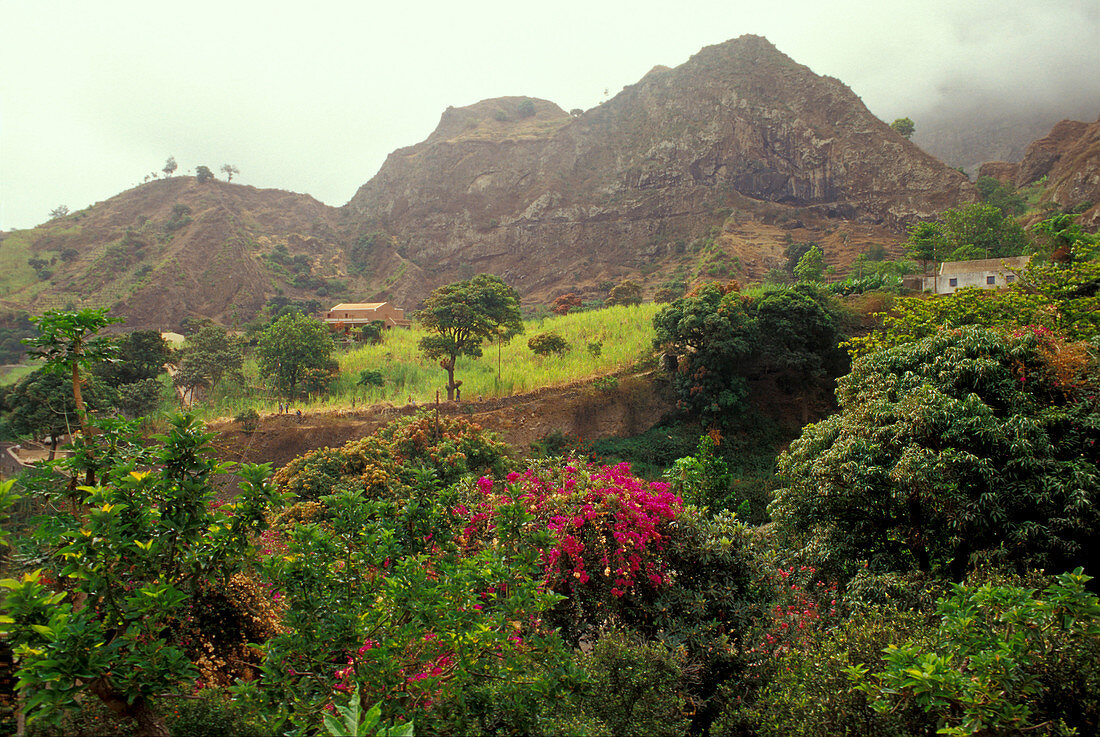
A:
95	95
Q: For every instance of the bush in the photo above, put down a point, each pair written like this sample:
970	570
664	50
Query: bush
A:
248	419
546	343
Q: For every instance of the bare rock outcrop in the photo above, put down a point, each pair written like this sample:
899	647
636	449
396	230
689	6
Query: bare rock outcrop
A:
519	187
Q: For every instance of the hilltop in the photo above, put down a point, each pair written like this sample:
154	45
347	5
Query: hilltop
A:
700	172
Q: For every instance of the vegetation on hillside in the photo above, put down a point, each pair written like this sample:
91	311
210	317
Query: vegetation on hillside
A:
916	562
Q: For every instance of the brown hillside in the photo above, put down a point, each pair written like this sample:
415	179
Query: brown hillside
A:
1069	157
174	248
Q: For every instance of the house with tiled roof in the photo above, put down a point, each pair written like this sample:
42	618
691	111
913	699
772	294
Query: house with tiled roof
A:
355	314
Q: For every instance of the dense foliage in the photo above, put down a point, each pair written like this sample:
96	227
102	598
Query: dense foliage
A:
721	340
969	445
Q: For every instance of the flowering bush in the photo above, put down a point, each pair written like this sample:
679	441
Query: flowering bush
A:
625	553
607	532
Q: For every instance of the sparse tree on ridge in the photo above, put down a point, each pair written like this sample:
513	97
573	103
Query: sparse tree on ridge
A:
170	166
59	212
904	127
229	170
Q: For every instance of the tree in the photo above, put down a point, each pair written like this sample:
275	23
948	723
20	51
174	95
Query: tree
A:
968	446
41	404
148	550
209	355
975	231
625	293
229	170
720	340
544	344
170	166
904	127
292	347
59	212
69	341
142	355
203	174
927	243
565	303
371	333
462	316
1000	195
811	265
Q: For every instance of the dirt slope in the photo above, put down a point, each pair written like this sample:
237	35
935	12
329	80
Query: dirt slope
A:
635	405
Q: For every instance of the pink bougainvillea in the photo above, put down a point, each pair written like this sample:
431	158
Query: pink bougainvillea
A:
606	524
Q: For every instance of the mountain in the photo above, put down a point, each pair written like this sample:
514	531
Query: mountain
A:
1067	161
704	171
738	134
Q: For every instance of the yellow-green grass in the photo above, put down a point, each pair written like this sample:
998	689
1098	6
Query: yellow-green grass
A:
626	334
12	374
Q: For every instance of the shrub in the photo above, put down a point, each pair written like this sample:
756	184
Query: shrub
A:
1003	659
970	445
544	344
248	419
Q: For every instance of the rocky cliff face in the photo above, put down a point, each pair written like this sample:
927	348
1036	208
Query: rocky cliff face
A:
519	187
1069	158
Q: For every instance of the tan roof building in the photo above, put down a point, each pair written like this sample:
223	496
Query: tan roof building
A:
350	314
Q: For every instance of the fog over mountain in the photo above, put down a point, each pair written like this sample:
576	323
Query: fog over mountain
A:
96	96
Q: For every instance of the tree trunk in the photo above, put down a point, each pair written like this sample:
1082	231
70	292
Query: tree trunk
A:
142	714
79	399
449	366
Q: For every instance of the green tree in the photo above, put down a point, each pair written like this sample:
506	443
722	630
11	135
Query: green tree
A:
811	265
928	243
975	231
625	293
372	332
41	404
462	316
149	545
209	355
142	354
722	340
291	348
968	446
69	341
59	212
203	174
1000	195
904	127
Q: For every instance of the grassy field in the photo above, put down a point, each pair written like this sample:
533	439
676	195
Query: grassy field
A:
12	374
626	334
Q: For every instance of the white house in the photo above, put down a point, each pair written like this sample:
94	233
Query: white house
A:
988	273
